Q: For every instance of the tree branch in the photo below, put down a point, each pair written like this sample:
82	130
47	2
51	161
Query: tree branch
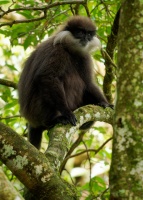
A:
32	168
39	172
87	150
23	21
107	57
111	44
7	191
61	139
75	144
10	117
44	9
8	83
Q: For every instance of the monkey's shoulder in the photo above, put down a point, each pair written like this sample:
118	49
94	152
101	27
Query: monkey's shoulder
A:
60	50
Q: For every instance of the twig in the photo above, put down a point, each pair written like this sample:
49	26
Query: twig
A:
23	21
10	117
8	83
86	8
85	151
75	144
91	150
89	160
102	194
44	9
106	56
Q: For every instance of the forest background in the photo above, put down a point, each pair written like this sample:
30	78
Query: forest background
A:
79	164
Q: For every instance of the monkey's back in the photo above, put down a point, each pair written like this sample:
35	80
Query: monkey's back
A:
36	85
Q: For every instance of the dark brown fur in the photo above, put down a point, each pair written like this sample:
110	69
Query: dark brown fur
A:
56	80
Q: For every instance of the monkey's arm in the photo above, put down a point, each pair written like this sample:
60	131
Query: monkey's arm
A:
93	95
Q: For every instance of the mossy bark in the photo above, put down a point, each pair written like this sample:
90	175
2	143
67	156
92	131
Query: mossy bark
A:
39	172
126	174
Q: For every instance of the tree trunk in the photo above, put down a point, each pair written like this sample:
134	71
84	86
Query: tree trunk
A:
126	174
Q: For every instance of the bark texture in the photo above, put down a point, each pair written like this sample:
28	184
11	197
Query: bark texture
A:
39	172
111	45
7	191
126	174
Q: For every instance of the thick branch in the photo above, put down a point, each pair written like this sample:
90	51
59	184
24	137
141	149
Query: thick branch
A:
31	167
36	171
61	138
111	44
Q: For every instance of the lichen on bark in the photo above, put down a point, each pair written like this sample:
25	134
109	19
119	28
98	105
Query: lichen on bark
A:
126	181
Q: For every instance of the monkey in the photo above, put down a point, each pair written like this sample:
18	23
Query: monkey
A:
57	78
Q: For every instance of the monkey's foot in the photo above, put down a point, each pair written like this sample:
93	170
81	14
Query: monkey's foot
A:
105	105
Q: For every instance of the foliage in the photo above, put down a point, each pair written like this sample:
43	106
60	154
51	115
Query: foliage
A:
23	25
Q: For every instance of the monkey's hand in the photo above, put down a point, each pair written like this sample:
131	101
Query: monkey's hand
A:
70	118
105	105
66	118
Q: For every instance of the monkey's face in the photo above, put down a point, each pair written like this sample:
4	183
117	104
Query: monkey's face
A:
83	35
79	34
87	39
84	32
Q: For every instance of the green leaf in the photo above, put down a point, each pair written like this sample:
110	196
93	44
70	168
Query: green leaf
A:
4	2
27	14
28	41
11	67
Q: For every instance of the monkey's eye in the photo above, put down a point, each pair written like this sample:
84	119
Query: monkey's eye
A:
91	33
80	33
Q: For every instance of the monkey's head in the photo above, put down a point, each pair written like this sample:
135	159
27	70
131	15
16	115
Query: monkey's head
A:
80	33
